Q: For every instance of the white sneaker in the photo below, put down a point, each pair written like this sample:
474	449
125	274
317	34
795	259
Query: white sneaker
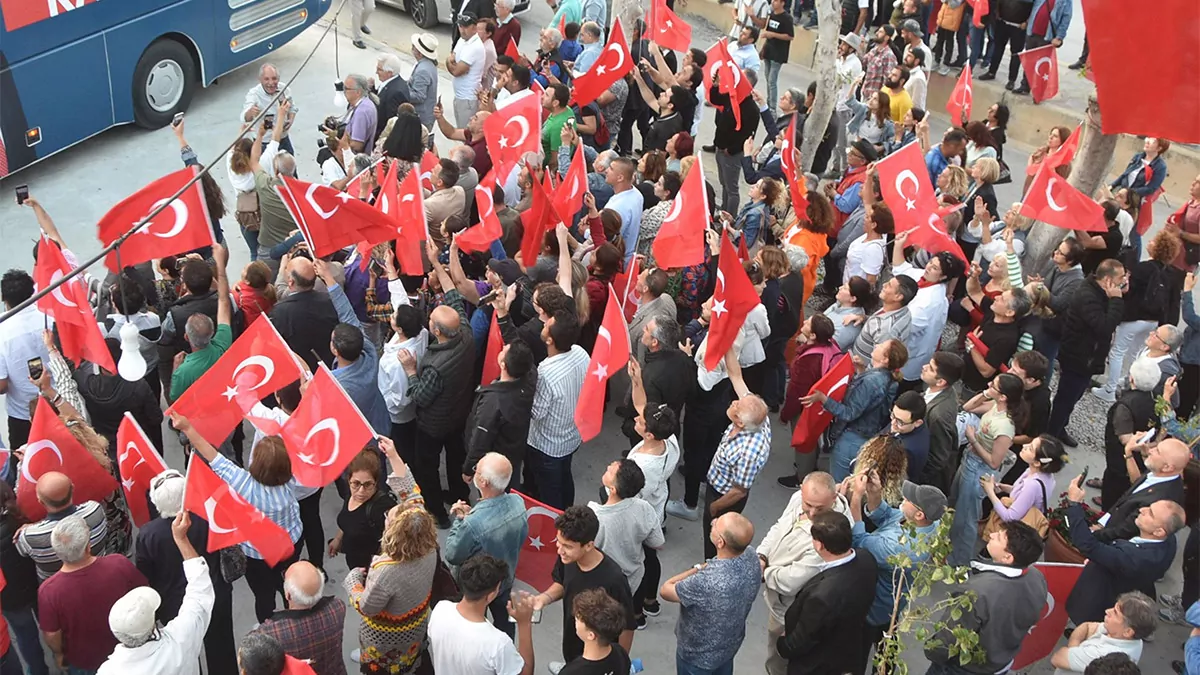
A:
356	656
555	667
677	508
943	69
1171	601
1104	394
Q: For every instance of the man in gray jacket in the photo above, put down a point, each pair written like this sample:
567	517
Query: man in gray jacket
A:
1061	282
1009	597
423	83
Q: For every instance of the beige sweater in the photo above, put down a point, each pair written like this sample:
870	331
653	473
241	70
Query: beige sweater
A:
791	559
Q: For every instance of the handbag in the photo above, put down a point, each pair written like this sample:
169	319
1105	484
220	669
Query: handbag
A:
1005	174
444	585
1033	518
246	211
233	563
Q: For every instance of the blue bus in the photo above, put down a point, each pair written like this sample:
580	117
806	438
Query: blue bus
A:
70	69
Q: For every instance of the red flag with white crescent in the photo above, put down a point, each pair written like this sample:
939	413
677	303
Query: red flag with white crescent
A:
479	238
613	64
814	419
1047	632
52	447
511	51
513	131
933	236
1041	67
959	103
1051	199
138	463
732	300
979	9
331	219
325	433
730	79
666	29
410	225
180	227
569	198
231	519
625	285
797	187
68	305
538	555
295	666
680	239
491	363
257	364
536	221
610	354
904	184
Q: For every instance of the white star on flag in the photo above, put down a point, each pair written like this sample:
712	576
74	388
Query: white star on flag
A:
910	204
601	371
536	542
503	142
718	307
230	392
128	484
600	70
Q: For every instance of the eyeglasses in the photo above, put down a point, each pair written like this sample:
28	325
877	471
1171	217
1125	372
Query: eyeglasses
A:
367	485
901	422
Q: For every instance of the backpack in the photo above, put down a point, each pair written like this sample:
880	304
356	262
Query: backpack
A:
1155	294
601	137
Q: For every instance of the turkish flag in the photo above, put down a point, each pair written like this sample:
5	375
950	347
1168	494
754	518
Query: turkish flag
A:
1144	64
729	76
1064	154
68	305
257	364
511	51
610	354
904	182
666	29
513	131
743	253
1146	213
613	64
538	554
354	189
732	300
1051	199
180	227
332	220
978	345
815	419
294	666
562	26
1041	67
52	447
231	519
569	199
933	237
428	162
409	223
959	103
1046	633
139	463
319	458
535	221
625	287
797	186
680	239
480	237
979	9
495	343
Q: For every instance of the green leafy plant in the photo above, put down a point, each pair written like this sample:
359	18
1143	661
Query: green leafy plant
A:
932	625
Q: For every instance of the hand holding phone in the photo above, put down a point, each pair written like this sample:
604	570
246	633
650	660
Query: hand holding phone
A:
22	194
177	120
35	368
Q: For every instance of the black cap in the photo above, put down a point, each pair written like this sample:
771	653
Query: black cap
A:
865	149
506	269
467	19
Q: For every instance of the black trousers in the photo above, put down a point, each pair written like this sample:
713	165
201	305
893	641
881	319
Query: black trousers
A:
220	652
428	460
648	591
1014	37
1071	387
314	532
871	635
18	432
703	425
266	581
710	496
1189	390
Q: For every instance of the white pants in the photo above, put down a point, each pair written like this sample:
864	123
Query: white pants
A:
360	11
776	664
1127	341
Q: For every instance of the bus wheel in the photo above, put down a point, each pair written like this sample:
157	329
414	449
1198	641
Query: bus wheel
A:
163	83
423	12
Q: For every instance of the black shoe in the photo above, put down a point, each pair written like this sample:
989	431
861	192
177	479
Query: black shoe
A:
1068	440
1009	86
789	482
1179	667
651	608
360	44
959	63
641	622
365	30
1078	65
1023	89
709	148
988	76
443	521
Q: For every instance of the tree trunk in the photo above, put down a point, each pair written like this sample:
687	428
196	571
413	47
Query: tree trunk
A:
1088	171
629	11
828	22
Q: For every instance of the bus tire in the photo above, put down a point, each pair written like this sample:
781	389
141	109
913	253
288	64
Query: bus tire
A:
163	83
423	12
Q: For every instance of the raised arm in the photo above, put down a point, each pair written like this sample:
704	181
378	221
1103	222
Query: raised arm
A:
564	259
45	221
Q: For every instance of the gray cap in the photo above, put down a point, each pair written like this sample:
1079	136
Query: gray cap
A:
912	26
929	499
853	40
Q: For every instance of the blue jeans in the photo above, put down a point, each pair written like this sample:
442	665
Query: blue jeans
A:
684	668
251	237
27	641
548	479
968	505
977	53
771	70
844	453
499	610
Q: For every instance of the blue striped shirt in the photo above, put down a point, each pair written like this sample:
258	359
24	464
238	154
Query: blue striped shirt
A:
277	503
552	420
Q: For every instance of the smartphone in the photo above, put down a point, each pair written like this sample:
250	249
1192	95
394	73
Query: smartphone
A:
1147	437
537	617
268	122
1083	475
491	295
177	119
22	194
35	367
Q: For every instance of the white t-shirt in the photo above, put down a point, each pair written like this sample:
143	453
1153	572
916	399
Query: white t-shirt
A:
758	8
849	70
472	53
20	341
467	648
864	257
1125	222
1096	646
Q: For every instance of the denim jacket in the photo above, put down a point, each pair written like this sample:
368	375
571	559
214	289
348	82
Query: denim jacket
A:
495	526
1060	19
750	221
867	407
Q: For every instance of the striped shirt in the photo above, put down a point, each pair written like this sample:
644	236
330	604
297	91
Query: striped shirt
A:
739	458
881	327
34	540
277	503
560	378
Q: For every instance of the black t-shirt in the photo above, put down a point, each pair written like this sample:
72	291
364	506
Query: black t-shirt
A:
775	49
1001	340
606	576
1039	412
1112	248
616	663
661	131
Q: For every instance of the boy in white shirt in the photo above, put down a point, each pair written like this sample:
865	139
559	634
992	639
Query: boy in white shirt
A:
461	638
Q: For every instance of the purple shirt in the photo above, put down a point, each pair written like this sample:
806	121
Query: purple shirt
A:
363	120
357	281
1025	495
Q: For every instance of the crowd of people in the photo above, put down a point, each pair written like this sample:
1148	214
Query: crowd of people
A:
952	411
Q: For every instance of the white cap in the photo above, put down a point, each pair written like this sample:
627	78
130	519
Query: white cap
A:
133	614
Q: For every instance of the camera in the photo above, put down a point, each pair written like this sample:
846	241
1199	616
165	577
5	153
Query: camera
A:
268	122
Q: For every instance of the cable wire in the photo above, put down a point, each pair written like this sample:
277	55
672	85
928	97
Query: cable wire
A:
253	124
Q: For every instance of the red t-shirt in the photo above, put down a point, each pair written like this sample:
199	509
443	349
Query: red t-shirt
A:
77	603
1041	20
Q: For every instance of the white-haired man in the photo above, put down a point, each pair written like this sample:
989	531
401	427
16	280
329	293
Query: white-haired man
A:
73	605
311	627
261	96
161	560
1159	349
390	87
174	648
495	526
